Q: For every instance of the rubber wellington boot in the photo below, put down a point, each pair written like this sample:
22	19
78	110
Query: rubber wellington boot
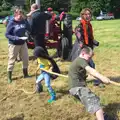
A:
9	76
25	73
53	97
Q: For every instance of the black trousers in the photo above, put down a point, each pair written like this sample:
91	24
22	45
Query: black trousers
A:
39	40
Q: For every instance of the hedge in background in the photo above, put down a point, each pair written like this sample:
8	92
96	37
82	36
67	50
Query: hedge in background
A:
5	13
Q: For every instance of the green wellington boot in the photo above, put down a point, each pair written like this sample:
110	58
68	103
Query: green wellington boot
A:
9	76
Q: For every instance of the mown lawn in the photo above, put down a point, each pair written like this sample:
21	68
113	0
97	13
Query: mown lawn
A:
21	106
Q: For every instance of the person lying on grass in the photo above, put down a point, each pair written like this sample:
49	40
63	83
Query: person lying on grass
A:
77	82
47	63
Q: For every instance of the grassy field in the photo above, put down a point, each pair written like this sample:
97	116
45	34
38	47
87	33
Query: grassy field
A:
18	105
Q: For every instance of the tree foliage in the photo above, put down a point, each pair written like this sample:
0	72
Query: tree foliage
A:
95	5
74	6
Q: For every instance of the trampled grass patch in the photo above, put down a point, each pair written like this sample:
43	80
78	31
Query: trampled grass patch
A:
19	105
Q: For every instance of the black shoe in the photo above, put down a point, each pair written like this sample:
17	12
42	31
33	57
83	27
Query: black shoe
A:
27	76
109	117
98	83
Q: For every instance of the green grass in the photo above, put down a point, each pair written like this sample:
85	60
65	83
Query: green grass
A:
35	107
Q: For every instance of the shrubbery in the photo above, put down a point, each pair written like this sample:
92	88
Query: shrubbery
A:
5	13
74	15
5	9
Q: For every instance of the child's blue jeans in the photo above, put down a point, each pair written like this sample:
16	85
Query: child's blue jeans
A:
46	77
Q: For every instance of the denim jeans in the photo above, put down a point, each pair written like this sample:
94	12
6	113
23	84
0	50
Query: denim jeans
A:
45	76
92	64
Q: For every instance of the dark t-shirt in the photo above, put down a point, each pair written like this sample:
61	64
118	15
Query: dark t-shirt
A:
77	73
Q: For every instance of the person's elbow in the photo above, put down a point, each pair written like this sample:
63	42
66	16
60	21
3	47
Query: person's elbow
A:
90	70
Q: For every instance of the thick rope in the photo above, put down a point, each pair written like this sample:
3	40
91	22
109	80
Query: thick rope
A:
27	92
66	76
114	83
61	75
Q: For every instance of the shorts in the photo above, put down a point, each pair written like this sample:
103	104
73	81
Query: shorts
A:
87	98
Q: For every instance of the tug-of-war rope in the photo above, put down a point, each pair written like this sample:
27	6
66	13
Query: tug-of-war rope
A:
66	76
33	92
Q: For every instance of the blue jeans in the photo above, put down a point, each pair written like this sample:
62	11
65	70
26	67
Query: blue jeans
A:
92	64
46	77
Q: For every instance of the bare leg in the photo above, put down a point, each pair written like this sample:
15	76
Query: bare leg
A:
99	114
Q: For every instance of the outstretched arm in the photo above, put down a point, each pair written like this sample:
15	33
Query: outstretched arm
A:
96	74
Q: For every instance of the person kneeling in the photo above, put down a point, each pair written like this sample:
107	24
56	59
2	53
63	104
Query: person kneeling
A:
77	82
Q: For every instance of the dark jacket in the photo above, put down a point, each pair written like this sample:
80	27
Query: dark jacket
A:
38	22
79	33
16	29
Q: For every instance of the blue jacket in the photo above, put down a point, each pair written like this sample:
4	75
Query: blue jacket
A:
16	29
9	18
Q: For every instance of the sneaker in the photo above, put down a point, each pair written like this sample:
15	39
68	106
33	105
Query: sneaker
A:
52	99
108	117
97	82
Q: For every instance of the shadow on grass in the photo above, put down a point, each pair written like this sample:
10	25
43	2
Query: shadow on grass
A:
21	77
32	58
64	73
116	79
18	117
112	110
62	93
